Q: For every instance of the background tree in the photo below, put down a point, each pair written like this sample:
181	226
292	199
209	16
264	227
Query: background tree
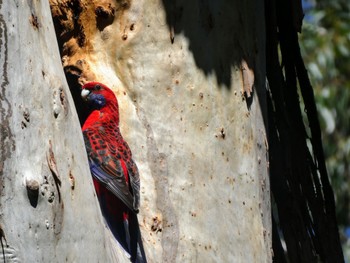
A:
325	45
304	216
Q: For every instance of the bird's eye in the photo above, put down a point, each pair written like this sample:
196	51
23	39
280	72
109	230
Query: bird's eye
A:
97	87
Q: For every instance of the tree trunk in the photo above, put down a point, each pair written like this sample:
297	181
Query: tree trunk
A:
190	80
48	209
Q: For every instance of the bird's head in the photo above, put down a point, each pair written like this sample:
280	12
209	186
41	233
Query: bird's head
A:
98	95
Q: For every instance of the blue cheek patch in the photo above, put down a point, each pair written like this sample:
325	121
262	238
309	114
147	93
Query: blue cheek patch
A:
97	100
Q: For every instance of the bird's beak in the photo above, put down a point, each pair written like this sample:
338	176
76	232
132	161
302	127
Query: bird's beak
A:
85	94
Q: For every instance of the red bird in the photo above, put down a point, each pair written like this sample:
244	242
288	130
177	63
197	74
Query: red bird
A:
115	174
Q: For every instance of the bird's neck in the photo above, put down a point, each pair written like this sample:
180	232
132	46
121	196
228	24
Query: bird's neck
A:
104	116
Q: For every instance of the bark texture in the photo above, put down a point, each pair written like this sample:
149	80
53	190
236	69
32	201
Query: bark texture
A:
48	209
183	73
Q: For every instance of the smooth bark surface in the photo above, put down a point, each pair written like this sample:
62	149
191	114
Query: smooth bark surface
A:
183	74
48	209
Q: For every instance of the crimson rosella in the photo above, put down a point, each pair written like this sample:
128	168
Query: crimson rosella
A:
115	174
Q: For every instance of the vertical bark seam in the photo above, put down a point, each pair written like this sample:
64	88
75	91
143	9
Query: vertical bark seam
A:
159	170
7	143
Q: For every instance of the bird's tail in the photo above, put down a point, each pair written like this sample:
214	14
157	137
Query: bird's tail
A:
123	225
128	235
133	233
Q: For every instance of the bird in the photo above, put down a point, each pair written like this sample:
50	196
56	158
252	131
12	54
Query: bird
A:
115	174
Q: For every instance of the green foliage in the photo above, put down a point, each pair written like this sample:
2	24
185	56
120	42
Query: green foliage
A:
325	43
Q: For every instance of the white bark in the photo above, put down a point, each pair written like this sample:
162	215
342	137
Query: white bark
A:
48	209
201	153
